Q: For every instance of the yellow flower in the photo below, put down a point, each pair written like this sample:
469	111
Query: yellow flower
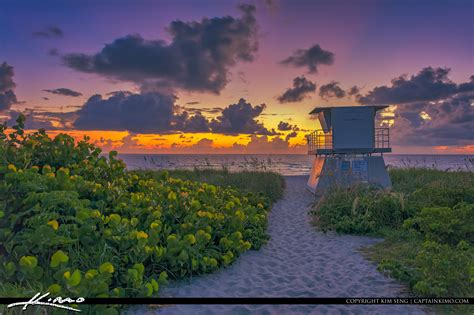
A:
172	195
12	167
142	234
54	224
67	274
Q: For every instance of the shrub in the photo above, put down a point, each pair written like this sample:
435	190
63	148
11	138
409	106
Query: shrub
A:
444	270
431	211
78	224
445	225
361	209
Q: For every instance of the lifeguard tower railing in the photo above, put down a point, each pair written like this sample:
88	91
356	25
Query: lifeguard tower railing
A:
320	142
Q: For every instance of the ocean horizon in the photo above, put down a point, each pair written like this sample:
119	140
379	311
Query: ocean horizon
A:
285	164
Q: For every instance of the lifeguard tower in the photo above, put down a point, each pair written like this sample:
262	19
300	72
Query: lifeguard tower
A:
348	149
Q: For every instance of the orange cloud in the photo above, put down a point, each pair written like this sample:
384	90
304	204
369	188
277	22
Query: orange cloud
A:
466	149
200	143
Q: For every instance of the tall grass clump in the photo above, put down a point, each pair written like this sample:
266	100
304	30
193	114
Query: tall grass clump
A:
427	220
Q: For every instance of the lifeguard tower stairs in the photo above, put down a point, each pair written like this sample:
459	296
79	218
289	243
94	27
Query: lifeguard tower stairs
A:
348	149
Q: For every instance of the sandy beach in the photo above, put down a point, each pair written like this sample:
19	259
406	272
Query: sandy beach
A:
298	261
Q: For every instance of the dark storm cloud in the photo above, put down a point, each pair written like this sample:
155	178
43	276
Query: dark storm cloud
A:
140	113
468	86
42	119
353	91
50	32
157	113
240	118
291	135
449	122
64	92
301	88
196	123
7	85
285	126
198	57
331	90
430	108
429	84
310	58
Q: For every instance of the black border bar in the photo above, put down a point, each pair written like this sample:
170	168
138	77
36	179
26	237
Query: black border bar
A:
265	300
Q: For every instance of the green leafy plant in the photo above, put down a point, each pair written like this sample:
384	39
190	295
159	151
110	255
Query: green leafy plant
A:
77	223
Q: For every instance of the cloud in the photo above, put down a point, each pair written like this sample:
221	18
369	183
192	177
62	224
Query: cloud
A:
157	113
331	90
301	88
467	87
50	32
449	122
140	113
64	92
240	118
285	126
42	120
429	84
7	85
198	58
209	110
291	135
311	58
264	144
430	109
204	145
354	91
196	123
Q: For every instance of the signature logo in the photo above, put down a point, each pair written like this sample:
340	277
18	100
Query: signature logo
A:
57	302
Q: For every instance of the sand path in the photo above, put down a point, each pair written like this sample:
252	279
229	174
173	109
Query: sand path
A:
298	261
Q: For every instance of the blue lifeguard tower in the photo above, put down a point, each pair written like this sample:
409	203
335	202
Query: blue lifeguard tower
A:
348	148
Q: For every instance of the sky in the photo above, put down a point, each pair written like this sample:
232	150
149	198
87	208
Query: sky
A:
215	76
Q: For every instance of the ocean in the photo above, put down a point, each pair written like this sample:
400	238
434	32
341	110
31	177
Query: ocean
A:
285	164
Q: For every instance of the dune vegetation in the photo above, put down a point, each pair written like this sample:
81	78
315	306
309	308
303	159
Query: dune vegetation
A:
427	220
269	185
76	223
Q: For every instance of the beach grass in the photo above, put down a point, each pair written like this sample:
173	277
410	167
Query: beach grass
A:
269	184
427	221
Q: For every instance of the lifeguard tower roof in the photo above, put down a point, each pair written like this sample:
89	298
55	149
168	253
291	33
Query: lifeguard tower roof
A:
348	129
318	109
